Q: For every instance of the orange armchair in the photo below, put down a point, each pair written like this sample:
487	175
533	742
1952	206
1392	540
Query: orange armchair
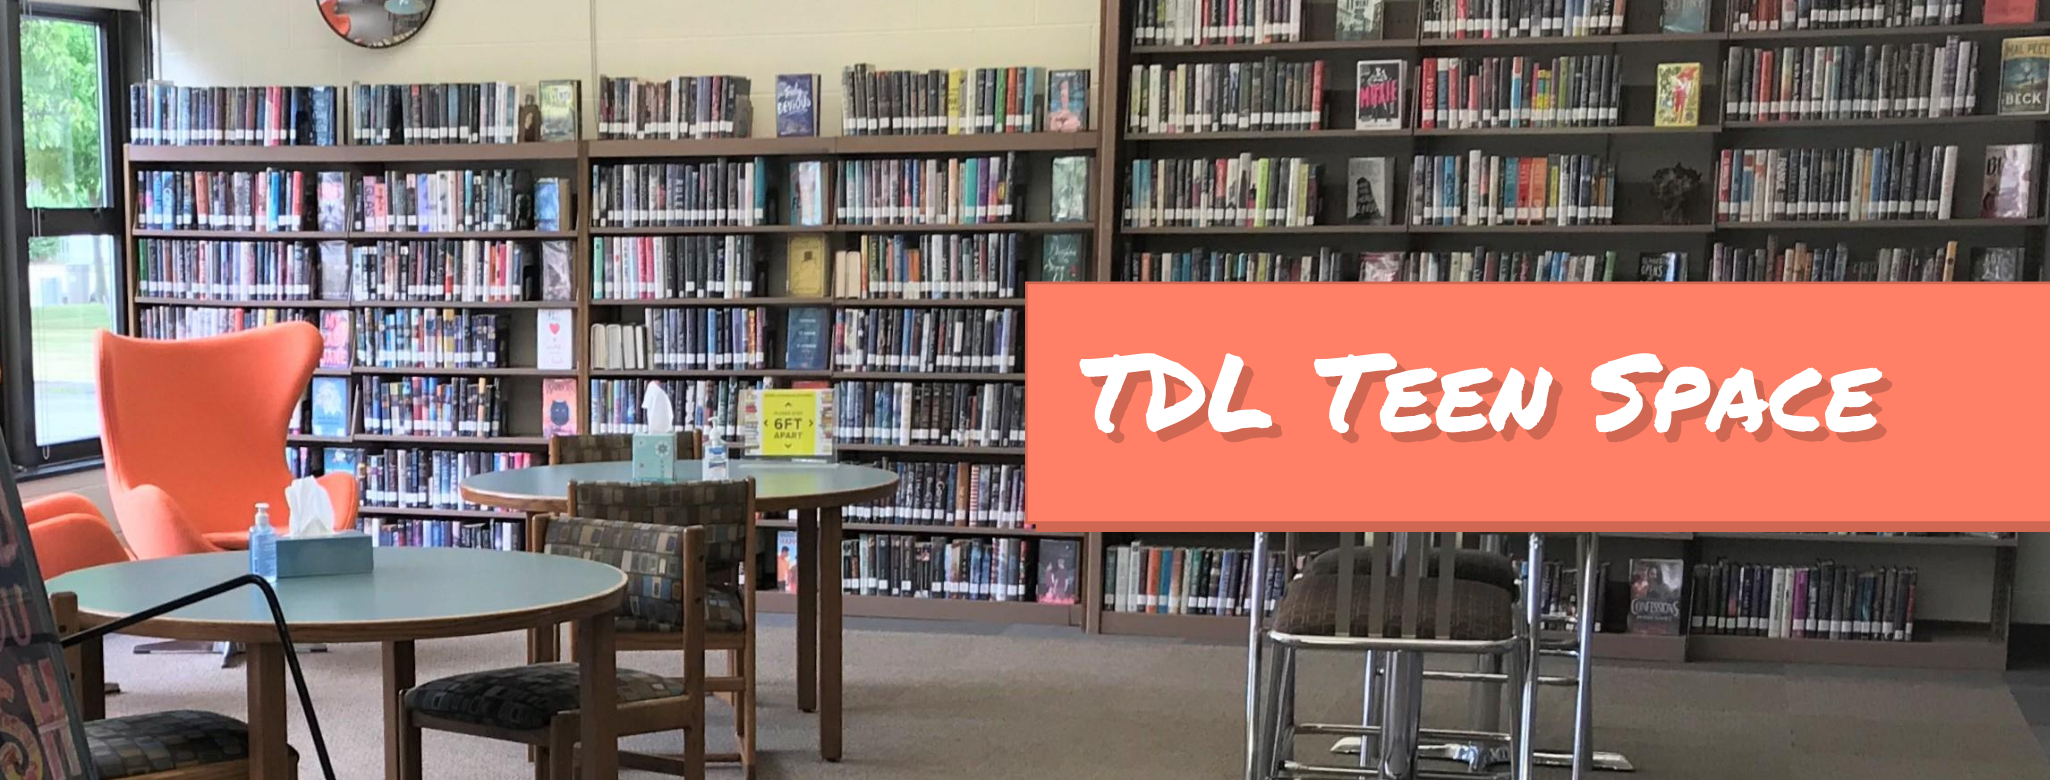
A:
69	533
194	435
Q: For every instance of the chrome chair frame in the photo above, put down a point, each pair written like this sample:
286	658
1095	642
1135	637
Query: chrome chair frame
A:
1390	731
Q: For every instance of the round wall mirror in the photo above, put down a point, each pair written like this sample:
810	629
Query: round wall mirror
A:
376	24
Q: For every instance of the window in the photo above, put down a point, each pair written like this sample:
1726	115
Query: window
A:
62	271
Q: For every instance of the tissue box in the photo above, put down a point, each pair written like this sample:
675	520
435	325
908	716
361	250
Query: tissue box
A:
654	457
313	556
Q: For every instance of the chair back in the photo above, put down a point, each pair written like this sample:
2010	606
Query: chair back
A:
726	509
606	447
203	419
42	695
1388	588
660	561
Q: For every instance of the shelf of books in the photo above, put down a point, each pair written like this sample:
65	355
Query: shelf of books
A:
486	279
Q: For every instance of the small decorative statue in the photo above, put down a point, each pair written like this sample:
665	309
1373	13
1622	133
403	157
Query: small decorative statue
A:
1674	187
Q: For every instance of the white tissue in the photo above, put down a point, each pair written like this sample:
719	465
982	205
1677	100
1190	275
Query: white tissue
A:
660	415
312	513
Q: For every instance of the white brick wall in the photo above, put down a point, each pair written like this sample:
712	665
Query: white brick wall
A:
233	42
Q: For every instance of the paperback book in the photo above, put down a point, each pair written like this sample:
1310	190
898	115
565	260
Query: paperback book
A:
558	407
806	277
1071	189
1369	201
555	274
1058	569
1656	585
553	340
560	100
2010	182
1062	261
1380	95
330	415
2025	75
1067	101
1679	94
804	338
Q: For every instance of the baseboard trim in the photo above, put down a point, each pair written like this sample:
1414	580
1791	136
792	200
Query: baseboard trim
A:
58	469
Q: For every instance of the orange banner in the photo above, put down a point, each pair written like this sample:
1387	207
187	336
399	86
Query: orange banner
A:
1867	407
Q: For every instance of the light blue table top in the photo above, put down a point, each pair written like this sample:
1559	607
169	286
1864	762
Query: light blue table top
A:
413	593
779	485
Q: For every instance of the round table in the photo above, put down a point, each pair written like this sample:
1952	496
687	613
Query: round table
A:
412	594
816	491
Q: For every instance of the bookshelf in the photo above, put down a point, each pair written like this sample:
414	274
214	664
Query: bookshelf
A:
1638	148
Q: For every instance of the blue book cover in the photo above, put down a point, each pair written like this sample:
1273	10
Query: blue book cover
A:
340	460
330	406
797	112
548	204
804	345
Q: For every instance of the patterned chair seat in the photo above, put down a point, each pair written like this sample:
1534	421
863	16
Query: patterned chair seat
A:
1479	611
163	741
725	612
1480	566
525	698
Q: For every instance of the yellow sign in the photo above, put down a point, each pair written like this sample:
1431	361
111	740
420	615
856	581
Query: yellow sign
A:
790	422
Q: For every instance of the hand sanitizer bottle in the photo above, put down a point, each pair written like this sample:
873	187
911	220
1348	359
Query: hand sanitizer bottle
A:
263	545
715	450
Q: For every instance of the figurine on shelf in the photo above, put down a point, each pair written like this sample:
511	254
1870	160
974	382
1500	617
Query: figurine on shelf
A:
1674	187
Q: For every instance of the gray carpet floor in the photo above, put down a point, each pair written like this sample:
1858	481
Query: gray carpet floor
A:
995	704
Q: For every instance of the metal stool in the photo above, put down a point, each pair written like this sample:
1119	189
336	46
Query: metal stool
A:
1405	615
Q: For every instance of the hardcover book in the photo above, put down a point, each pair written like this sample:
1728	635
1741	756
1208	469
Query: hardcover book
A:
559	102
340	460
333	201
334	338
1057	571
334	270
1369	179
804	338
808	193
558	407
1380	266
1067	101
1380	89
1061	258
1998	264
807	275
1655	590
797	105
330	415
1071	189
555	273
1684	16
2025	75
553	340
2010	11
1360	20
1679	94
786	561
2010	181
548	203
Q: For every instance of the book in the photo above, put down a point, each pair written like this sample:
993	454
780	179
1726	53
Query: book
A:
334	270
559	407
2010	11
340	460
1684	16
1827	601
2010	181
804	338
1865	81
330	417
1061	258
1368	179
554	339
555	272
808	193
1380	95
1656	587
2025	75
1998	264
560	100
333	202
334	338
806	277
797	105
1380	266
1227	97
548	203
1067	101
1679	94
1058	571
1071	189
1360	20
786	561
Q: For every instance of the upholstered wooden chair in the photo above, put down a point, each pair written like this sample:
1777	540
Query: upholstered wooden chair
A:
726	511
536	705
602	447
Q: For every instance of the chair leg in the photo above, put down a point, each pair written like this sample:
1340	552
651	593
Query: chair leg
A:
408	748
1282	748
561	752
540	755
745	718
1370	709
1266	695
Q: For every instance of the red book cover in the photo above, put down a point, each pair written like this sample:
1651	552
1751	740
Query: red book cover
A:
2010	11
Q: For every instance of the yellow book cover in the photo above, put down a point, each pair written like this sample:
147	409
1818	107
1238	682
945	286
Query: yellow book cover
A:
807	277
1679	94
954	102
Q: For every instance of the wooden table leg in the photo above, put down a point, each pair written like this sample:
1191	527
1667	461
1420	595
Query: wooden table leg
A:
401	746
598	731
829	633
269	757
810	561
92	680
